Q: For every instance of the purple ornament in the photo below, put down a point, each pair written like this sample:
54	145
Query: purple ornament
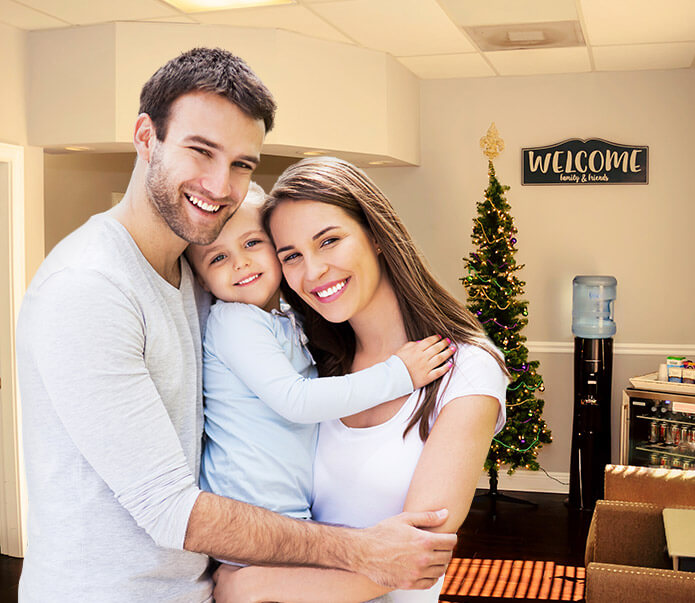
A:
479	312
513	241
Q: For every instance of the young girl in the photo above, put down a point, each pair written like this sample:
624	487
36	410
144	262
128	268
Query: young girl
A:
262	401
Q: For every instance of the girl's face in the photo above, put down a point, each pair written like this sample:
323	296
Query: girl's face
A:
327	257
240	265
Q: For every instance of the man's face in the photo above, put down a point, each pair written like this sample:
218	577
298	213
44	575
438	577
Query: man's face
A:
200	173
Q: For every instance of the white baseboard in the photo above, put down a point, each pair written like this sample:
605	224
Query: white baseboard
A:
529	481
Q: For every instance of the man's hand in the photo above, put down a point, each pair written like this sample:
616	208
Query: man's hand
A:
400	556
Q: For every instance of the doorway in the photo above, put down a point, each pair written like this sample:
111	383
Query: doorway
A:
12	286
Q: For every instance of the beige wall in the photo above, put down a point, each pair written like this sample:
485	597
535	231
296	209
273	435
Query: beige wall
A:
79	185
643	235
13	130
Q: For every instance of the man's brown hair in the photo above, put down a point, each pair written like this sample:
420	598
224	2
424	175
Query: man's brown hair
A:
206	70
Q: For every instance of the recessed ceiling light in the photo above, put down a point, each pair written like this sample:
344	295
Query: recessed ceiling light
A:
313	153
379	162
201	6
78	148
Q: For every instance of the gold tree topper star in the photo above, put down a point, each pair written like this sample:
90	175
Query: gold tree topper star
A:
491	143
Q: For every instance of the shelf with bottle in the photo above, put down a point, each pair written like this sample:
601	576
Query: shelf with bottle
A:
660	456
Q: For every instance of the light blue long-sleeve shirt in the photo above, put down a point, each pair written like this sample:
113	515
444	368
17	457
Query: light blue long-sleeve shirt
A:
263	404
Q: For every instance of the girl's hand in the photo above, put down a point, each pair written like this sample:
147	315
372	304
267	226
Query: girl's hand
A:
231	585
427	360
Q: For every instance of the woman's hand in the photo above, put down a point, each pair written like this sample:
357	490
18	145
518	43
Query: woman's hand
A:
427	359
232	585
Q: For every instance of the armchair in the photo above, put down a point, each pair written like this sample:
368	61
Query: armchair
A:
626	557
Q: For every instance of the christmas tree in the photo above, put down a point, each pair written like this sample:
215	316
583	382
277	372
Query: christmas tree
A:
494	292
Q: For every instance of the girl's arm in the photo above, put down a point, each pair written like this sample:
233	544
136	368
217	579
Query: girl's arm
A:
241	337
445	477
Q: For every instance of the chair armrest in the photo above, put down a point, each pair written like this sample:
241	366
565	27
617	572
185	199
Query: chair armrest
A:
627	533
625	584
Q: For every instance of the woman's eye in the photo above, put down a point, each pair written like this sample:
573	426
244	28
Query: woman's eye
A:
328	241
289	257
218	258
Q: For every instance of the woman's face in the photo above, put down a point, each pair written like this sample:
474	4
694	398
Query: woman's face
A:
327	257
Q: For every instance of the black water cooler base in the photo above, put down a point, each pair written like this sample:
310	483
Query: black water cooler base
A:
591	426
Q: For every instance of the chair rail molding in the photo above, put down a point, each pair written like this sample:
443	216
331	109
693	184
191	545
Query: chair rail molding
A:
621	349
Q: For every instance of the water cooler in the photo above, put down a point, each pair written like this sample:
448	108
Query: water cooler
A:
593	327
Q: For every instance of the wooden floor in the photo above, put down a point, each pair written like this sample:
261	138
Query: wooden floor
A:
546	532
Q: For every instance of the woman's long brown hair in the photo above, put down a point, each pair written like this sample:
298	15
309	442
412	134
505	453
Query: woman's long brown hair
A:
427	308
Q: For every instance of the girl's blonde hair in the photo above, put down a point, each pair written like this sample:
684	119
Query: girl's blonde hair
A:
427	308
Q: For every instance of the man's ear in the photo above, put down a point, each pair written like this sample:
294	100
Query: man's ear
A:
144	137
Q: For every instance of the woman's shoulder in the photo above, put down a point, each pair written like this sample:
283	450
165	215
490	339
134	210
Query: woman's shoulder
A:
476	371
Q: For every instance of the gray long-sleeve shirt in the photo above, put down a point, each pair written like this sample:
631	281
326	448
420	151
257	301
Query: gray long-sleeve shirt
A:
109	359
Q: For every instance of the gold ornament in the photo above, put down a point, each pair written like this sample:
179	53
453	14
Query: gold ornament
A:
491	143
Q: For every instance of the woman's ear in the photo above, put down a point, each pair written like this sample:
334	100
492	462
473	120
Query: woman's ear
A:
144	137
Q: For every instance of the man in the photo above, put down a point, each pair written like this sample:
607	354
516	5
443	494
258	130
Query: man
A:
110	374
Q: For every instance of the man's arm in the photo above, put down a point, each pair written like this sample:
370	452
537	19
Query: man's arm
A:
393	553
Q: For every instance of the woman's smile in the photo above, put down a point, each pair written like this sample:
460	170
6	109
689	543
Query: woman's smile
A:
331	291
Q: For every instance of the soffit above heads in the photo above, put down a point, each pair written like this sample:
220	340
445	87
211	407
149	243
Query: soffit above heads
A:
432	38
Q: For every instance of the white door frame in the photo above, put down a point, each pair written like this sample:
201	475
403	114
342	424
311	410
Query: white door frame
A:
12	487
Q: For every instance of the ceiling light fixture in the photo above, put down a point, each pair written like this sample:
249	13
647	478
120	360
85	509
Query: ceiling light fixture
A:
202	6
73	148
313	153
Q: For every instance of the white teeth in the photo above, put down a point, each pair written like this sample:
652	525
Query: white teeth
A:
331	290
248	280
204	206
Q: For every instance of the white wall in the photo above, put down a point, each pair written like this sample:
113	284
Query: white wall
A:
643	235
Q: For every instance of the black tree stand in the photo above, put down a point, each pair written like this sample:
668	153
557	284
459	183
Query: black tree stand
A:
494	495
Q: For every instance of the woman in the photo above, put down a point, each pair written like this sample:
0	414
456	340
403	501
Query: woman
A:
357	278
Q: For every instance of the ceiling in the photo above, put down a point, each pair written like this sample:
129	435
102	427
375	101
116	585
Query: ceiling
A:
437	38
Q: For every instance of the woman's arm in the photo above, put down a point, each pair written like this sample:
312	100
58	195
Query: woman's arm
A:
256	584
445	477
453	458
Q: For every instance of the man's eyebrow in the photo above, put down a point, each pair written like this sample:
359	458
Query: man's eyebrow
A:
203	141
213	145
316	236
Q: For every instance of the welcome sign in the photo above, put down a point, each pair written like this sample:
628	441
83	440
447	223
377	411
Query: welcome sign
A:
593	161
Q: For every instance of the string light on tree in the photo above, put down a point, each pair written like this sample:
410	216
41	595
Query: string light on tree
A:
494	293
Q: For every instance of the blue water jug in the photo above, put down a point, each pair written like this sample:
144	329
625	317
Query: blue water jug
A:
592	306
